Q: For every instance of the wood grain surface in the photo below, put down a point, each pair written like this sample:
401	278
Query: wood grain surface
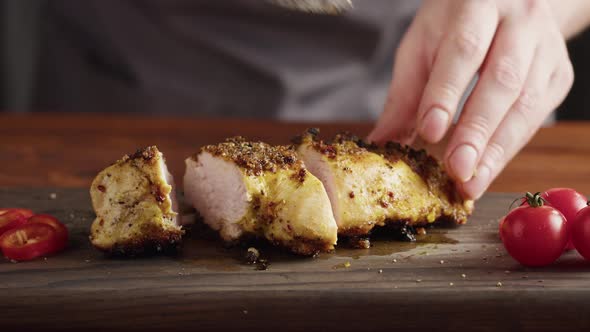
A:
448	280
68	150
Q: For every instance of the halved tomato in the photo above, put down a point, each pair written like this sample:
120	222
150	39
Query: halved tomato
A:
29	241
60	229
11	219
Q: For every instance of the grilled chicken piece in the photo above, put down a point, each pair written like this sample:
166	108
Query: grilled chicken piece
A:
370	186
135	206
246	189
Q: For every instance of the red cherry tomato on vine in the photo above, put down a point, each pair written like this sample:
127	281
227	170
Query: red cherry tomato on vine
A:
567	201
534	234
580	232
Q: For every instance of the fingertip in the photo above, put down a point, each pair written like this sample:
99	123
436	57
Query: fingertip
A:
462	162
434	125
477	185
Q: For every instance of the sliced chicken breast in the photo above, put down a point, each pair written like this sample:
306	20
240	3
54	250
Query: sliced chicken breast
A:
135	206
246	189
370	186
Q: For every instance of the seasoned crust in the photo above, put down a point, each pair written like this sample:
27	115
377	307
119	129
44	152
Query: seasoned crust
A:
155	241
454	207
254	157
132	201
306	247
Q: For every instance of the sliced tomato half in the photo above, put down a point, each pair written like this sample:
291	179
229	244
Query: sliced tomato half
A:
11	219
60	229
29	241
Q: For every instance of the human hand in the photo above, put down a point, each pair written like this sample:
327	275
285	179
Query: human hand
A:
524	74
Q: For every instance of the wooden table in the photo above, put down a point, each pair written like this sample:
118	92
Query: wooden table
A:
451	279
68	150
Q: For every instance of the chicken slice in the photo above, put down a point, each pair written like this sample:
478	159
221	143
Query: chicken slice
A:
135	206
246	189
370	186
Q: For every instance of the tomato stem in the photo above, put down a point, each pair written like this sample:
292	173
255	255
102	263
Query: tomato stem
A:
534	200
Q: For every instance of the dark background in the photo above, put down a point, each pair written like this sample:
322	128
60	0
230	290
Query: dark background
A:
21	21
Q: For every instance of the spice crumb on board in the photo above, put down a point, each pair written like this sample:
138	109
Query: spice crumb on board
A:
53	196
418	280
380	271
451	284
395	260
245	312
442	262
499	284
463	276
507	272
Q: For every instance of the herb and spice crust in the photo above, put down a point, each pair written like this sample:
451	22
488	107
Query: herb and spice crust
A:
134	204
379	185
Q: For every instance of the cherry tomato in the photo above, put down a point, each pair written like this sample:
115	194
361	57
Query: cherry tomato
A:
580	232
568	202
60	229
10	219
29	241
534	234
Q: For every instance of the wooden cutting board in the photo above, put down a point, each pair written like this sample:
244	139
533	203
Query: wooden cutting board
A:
453	278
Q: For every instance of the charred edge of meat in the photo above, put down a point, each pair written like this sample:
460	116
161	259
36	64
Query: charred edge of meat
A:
425	165
304	246
146	154
162	243
313	132
343	143
401	230
255	157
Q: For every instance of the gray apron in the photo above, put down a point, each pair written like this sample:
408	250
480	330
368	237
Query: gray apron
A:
219	58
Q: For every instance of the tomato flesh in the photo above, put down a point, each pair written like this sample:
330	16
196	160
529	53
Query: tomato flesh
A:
534	236
60	229
28	242
580	232
11	219
567	201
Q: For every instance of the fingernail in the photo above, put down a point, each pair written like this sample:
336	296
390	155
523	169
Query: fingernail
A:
476	187
434	124
462	162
